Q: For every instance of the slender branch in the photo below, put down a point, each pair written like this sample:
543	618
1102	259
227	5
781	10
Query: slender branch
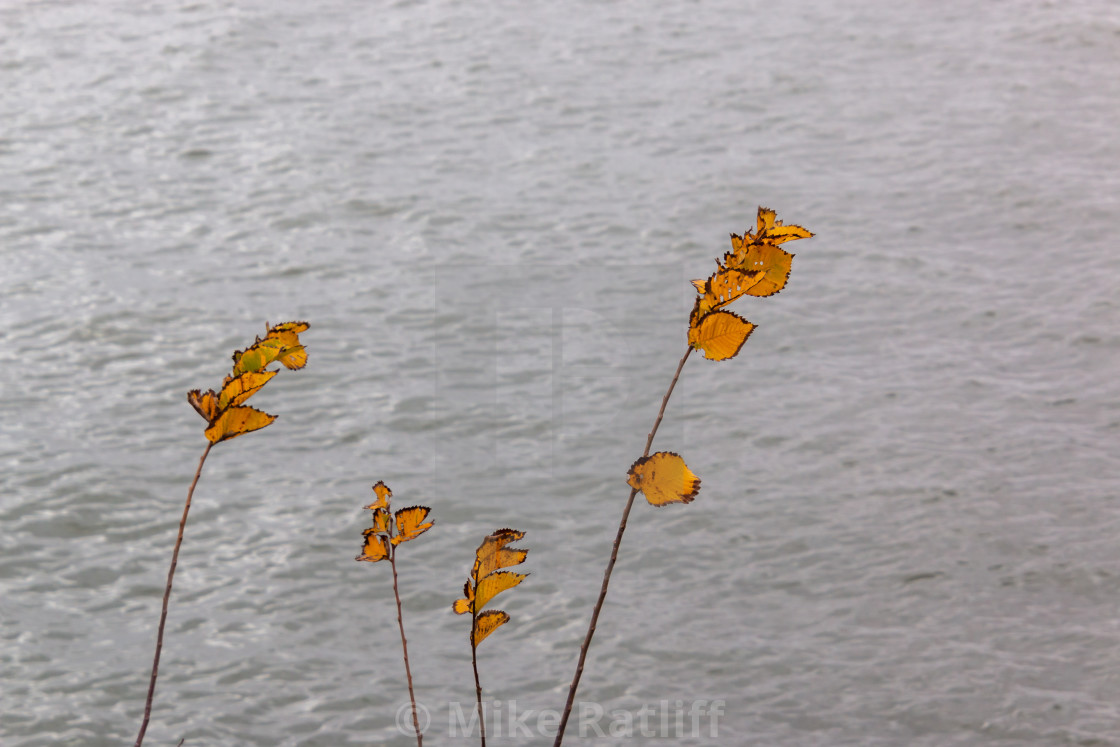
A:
166	598
404	648
610	565
477	682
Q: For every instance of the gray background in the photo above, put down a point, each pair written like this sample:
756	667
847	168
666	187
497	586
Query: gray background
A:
489	212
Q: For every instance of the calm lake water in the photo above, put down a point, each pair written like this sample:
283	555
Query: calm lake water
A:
909	526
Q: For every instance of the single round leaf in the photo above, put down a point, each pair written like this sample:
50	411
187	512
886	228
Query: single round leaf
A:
664	478
720	334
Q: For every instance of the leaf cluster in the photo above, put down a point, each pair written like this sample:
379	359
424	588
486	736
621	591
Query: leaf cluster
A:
390	529
487	580
225	413
755	266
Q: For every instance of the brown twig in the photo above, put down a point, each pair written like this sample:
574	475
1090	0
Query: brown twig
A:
610	565
166	598
404	648
477	683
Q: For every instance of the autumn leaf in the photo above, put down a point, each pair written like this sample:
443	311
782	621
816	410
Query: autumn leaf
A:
235	391
381	490
382	521
725	286
776	233
664	478
376	547
495	584
720	334
773	262
237	421
206	404
411	524
493	553
486	624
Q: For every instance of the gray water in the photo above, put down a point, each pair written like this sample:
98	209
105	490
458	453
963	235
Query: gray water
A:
909	527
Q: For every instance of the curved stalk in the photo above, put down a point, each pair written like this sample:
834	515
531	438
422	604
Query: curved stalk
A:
478	688
610	565
166	599
404	649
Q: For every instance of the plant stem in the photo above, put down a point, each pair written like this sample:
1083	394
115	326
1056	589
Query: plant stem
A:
477	684
167	597
610	565
404	648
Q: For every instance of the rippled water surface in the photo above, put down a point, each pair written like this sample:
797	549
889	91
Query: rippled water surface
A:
909	527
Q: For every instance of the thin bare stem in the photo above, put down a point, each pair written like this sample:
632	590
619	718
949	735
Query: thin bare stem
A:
477	685
404	648
610	565
167	597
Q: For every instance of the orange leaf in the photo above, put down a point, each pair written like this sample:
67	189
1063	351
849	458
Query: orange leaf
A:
409	523
720	334
664	478
381	490
205	404
774	262
492	553
725	286
487	623
774	232
495	584
382	520
236	421
463	606
293	356
376	547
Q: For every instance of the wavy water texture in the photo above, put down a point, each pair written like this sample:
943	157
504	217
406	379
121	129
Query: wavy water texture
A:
907	532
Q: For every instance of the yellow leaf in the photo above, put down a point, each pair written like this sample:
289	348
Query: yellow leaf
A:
236	390
492	553
381	490
487	623
236	421
463	606
376	547
720	334
293	355
769	259
411	524
205	404
664	478
773	232
495	584
293	358
382	520
766	218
